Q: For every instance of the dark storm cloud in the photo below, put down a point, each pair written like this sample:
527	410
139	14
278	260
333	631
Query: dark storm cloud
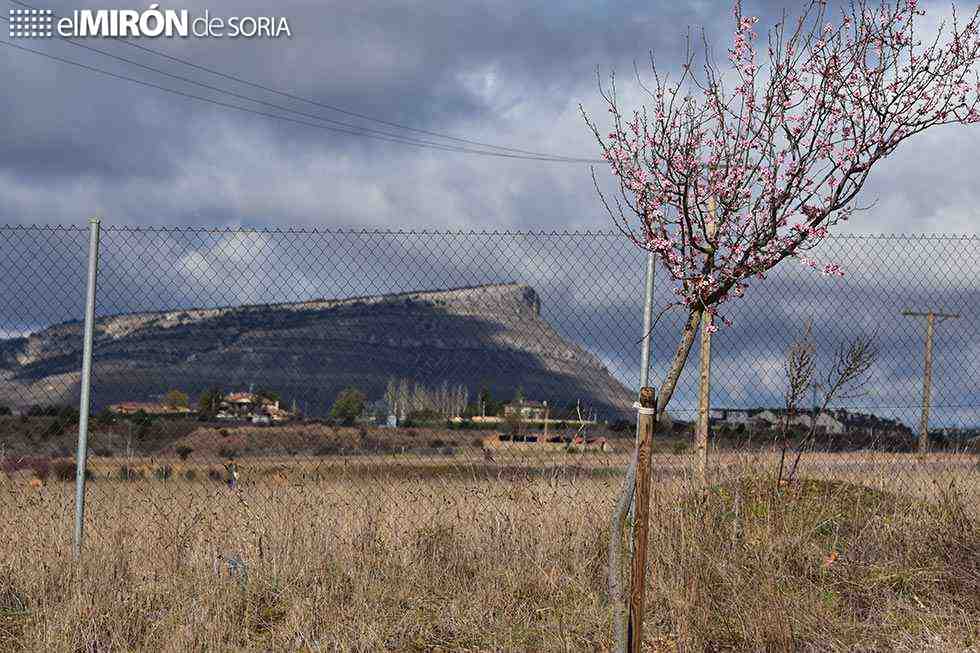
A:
500	72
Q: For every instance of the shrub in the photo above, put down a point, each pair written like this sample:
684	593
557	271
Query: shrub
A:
64	470
215	474
54	427
37	410
183	451
129	473
228	452
176	399
209	402
190	475
105	416
163	472
40	467
348	406
327	449
4	410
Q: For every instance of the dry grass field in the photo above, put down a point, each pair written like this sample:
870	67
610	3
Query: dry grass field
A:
869	552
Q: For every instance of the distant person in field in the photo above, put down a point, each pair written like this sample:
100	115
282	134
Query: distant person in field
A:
232	470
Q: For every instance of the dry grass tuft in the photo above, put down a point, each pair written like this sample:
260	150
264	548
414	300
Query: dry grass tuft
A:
828	564
481	563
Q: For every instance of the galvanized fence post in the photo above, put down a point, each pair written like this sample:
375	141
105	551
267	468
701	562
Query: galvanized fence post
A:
86	382
651	271
647	321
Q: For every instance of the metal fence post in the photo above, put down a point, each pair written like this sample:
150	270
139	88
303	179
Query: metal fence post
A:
84	400
647	321
651	270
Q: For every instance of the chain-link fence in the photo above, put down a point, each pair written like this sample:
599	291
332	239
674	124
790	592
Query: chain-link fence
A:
246	379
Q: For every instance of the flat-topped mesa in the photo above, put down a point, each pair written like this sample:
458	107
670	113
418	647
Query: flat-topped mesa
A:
481	336
464	300
472	300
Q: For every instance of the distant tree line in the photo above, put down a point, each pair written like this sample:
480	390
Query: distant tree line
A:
409	399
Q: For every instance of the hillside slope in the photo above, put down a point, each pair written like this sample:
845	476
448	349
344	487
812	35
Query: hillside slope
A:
492	336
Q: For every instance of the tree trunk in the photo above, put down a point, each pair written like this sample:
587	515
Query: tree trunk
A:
669	383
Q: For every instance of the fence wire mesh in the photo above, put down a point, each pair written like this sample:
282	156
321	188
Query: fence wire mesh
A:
252	387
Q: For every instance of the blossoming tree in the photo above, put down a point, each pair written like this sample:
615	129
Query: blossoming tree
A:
725	174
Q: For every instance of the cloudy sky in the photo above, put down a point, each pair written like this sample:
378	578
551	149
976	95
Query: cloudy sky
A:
76	143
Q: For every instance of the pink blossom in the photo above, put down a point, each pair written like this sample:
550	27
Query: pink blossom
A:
775	183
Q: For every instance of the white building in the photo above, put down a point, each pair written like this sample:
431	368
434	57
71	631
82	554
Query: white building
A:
770	418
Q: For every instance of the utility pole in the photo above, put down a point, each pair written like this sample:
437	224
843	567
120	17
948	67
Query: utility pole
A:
931	317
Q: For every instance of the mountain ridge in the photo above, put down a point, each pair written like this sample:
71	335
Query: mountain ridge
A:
478	336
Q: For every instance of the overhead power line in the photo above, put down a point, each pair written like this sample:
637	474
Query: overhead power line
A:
367	131
227	105
349	126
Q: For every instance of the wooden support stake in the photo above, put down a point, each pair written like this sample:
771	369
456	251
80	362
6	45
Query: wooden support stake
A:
648	424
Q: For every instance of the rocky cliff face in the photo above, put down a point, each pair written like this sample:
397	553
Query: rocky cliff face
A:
490	336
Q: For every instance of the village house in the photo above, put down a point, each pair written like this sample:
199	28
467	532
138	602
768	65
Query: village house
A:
248	406
833	422
528	410
747	418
